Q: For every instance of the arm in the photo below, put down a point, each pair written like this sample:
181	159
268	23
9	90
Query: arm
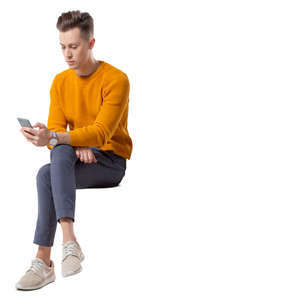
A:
63	138
56	118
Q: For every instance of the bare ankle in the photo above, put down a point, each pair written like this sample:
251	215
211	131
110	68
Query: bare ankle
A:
44	253
66	239
46	260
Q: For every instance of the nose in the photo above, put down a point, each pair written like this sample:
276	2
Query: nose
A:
69	54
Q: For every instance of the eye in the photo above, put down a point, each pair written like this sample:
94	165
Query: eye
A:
72	48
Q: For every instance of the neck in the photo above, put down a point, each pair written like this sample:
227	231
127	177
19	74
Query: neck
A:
90	66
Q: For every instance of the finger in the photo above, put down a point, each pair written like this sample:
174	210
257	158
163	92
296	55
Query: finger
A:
23	132
80	155
93	158
90	155
31	130
28	132
29	136
86	157
40	125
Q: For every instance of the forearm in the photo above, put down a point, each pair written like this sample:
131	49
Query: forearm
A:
63	138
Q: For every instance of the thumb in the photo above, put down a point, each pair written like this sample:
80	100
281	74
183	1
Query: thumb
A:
40	125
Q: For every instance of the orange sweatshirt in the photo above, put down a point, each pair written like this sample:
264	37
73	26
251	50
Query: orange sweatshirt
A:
95	107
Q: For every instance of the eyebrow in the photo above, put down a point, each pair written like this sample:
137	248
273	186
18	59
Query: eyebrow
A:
70	44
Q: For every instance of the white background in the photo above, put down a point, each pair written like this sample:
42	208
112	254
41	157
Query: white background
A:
209	206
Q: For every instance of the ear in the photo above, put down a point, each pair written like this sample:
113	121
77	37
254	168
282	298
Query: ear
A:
92	43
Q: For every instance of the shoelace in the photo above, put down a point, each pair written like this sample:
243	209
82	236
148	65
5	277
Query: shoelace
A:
36	267
70	249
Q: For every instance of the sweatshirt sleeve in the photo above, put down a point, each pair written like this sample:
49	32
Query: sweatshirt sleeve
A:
56	118
115	99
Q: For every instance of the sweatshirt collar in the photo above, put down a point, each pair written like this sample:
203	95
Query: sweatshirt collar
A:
87	78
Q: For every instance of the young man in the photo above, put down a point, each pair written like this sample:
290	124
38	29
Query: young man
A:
92	97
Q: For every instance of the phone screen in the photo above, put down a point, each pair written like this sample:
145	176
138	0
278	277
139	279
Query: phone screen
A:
25	123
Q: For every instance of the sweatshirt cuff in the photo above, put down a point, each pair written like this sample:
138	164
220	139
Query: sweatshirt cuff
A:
74	138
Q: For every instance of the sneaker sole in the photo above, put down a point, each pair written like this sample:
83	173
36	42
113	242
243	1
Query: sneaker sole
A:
47	281
76	271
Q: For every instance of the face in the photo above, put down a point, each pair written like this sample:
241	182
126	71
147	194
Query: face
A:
74	48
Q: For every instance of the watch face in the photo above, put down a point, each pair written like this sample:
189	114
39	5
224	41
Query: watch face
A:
53	142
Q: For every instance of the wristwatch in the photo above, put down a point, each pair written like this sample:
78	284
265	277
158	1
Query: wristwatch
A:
53	140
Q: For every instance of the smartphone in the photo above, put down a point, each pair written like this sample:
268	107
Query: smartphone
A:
25	123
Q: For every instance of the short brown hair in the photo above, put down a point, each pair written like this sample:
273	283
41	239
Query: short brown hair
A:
75	18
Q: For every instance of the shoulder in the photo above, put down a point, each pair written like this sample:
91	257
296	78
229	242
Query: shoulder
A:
60	77
114	73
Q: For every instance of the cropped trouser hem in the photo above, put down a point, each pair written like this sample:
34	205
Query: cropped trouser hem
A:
65	213
44	243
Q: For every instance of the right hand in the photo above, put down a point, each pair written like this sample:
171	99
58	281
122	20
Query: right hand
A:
85	154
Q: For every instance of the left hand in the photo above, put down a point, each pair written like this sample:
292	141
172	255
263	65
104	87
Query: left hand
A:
85	154
40	138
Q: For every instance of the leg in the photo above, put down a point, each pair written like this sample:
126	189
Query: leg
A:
67	229
46	222
108	171
63	159
57	183
44	253
56	194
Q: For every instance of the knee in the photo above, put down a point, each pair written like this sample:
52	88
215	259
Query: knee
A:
43	173
120	179
62	151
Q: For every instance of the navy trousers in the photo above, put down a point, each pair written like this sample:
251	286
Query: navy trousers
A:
58	180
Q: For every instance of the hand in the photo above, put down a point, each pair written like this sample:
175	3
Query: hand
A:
85	154
40	137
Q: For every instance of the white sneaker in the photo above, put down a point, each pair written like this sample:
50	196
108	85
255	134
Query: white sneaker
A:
72	258
37	276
